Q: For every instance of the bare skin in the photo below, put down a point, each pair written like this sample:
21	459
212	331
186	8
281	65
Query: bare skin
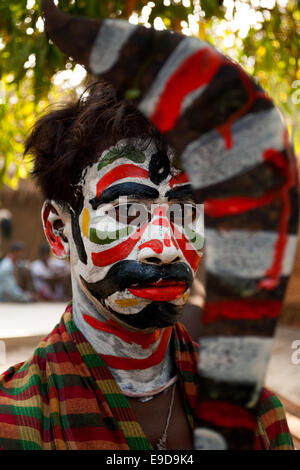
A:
152	416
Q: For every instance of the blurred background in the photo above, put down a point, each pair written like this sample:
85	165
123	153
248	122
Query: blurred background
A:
262	35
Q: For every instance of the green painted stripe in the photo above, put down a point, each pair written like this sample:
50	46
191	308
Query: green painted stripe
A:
128	151
104	238
195	238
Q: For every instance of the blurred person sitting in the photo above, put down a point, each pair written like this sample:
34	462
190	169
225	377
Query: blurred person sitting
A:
10	291
50	275
6	227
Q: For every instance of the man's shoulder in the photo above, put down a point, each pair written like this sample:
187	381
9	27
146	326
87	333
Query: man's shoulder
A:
29	378
24	403
27	390
22	376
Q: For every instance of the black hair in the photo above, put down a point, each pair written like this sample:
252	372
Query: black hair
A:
68	139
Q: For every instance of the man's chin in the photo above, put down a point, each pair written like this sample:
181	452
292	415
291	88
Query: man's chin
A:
153	316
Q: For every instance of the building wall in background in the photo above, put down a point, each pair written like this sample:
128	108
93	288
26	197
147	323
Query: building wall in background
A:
25	204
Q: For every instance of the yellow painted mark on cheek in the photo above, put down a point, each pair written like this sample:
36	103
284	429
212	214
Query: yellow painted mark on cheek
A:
85	222
127	302
186	296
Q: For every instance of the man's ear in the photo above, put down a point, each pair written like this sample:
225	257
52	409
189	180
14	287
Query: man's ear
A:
54	222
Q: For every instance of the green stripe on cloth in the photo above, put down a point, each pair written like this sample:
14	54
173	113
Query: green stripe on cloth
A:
65	397
282	440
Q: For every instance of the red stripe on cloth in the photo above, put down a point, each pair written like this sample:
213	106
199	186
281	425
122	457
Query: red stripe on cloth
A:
241	309
8	419
194	72
93	433
273	428
112	327
118	252
125	363
118	173
66	392
226	415
30	392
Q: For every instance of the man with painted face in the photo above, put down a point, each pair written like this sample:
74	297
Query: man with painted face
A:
119	371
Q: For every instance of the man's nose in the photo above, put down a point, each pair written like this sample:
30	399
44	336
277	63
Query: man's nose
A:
158	245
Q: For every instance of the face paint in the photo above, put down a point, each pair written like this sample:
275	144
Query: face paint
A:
138	240
141	245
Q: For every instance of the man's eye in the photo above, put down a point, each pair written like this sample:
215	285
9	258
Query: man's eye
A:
190	213
129	214
182	214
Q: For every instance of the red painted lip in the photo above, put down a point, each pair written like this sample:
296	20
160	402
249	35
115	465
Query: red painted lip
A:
162	291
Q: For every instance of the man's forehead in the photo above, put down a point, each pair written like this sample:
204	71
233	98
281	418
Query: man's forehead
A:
134	159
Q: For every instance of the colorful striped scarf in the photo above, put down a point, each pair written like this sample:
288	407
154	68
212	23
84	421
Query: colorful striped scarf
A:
64	397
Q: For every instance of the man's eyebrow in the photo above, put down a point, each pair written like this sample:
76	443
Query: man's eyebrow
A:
184	192
135	190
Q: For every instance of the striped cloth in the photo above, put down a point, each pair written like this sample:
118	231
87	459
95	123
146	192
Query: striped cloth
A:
64	397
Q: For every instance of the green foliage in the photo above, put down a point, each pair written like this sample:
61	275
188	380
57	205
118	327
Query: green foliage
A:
28	61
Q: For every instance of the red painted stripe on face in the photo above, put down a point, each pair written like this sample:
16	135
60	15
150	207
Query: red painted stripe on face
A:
161	222
55	241
118	252
179	179
187	249
155	245
174	243
194	72
161	211
241	310
125	363
111	327
118	173
167	240
164	293
226	415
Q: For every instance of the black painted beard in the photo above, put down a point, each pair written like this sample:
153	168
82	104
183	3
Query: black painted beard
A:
125	274
154	315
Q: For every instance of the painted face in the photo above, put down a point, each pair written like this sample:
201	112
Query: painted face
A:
139	236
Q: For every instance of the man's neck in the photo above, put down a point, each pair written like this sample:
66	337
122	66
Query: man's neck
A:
141	363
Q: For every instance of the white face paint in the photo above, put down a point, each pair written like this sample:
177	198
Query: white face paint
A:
135	243
139	233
